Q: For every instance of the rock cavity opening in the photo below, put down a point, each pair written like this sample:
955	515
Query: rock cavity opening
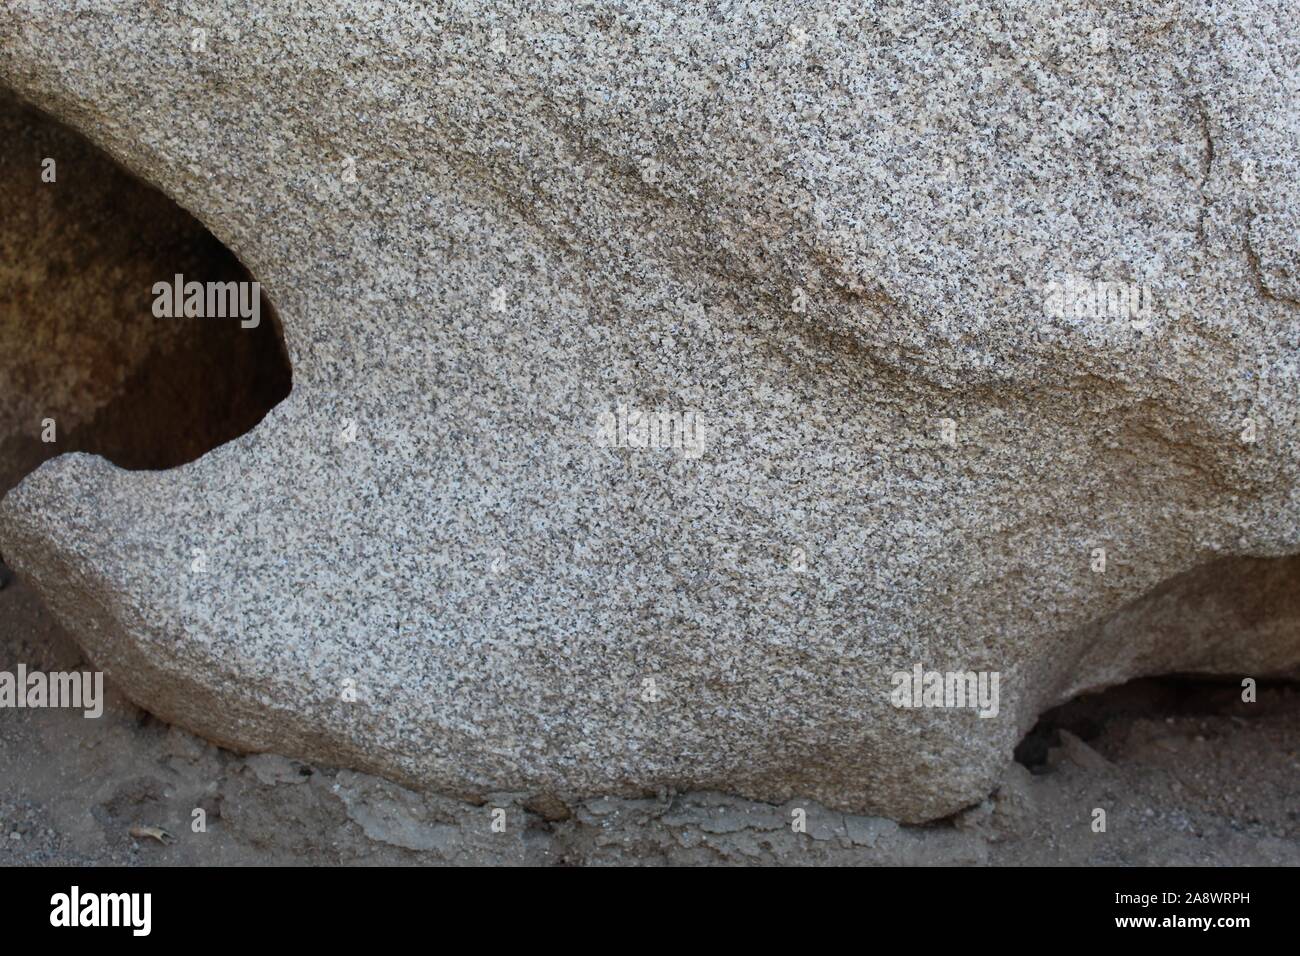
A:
90	360
1170	698
1225	621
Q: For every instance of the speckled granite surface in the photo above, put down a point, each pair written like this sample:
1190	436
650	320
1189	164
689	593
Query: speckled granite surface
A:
827	236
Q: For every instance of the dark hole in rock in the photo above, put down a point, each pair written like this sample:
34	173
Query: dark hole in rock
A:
1174	696
1240	609
79	341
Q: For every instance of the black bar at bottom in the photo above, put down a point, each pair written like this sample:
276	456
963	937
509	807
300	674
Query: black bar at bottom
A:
337	905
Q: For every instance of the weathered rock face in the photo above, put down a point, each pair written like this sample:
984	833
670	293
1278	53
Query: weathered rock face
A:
84	363
839	240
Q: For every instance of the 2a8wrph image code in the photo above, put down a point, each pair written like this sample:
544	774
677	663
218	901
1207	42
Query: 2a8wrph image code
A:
643	432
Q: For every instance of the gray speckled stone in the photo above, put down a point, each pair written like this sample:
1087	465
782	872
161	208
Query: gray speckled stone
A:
828	232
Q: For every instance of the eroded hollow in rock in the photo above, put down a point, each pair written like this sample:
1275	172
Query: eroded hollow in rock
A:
1233	612
1170	697
83	357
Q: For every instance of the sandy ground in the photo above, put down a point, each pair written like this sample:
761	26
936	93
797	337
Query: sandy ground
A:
1187	774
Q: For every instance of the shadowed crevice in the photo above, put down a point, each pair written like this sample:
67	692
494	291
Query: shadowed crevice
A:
1228	619
82	245
1152	698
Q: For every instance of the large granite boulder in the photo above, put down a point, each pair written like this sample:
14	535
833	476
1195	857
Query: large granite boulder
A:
669	378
